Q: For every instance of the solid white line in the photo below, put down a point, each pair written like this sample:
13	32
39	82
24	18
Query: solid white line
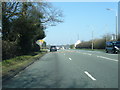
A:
87	54
112	54
89	51
94	51
70	58
89	75
83	53
108	58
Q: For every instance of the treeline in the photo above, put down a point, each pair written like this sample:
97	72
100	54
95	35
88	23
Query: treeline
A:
23	23
97	43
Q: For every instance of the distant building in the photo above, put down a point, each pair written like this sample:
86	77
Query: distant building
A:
63	47
78	42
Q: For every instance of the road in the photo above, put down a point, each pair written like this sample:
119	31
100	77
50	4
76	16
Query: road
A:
69	69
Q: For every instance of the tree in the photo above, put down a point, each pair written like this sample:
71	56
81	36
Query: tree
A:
44	44
72	46
9	11
99	43
43	15
52	16
25	22
84	44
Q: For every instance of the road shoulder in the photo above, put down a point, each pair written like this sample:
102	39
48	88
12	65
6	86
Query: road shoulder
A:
9	71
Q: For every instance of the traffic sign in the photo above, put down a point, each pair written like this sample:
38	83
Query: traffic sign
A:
39	42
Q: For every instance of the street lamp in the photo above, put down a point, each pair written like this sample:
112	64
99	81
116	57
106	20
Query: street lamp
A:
116	21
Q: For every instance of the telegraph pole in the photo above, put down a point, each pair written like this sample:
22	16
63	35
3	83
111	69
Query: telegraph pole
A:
92	41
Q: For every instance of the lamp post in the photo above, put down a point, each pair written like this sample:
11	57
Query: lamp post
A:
115	21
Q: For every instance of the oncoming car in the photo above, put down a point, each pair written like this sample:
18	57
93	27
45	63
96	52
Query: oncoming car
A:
113	46
53	48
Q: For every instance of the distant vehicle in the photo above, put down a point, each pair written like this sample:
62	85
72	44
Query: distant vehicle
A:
53	48
57	48
113	46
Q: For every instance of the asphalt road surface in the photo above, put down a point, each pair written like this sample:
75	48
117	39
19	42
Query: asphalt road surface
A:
69	69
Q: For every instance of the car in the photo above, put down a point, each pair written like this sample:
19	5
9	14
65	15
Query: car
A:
53	48
58	48
112	46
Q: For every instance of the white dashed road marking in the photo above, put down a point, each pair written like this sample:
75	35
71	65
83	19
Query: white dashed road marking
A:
70	58
89	75
87	54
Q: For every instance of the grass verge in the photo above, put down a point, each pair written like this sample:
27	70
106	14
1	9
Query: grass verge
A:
103	50
13	66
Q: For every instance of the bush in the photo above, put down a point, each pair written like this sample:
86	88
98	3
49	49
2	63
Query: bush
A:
99	44
86	45
9	50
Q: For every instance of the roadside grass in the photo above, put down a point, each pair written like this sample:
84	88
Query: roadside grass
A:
12	66
15	63
44	50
